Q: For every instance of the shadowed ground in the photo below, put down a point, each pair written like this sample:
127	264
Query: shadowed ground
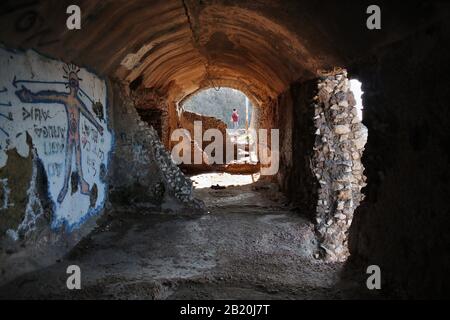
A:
249	246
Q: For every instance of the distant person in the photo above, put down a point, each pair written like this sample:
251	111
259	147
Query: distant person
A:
235	119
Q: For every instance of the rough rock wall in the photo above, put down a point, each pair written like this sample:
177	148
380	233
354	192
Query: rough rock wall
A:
340	141
187	120
136	178
152	106
321	144
297	138
403	224
265	116
144	173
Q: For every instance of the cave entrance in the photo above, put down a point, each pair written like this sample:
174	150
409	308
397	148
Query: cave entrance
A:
230	112
220	103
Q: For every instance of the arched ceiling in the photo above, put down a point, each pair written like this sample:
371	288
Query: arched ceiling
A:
179	46
225	44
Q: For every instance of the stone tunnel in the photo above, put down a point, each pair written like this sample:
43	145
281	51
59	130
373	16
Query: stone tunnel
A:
87	177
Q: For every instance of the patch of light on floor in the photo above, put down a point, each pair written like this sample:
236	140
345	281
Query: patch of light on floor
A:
206	180
356	87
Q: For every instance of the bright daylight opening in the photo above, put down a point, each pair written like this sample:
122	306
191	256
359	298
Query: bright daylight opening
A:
220	103
222	179
232	112
356	87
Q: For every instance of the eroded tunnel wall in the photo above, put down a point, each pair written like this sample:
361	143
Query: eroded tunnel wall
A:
143	174
71	145
295	115
136	178
55	146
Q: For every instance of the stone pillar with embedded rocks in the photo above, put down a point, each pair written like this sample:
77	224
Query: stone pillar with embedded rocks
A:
340	140
144	169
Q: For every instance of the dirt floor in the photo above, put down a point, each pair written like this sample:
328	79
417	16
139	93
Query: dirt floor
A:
249	245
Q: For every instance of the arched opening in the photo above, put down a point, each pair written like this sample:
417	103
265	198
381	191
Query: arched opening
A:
219	103
232	113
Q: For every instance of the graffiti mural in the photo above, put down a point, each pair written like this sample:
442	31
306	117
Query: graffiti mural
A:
63	108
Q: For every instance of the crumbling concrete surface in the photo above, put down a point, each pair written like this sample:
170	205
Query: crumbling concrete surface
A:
249	246
144	173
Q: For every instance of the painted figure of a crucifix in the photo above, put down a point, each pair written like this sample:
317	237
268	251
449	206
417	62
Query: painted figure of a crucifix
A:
74	107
